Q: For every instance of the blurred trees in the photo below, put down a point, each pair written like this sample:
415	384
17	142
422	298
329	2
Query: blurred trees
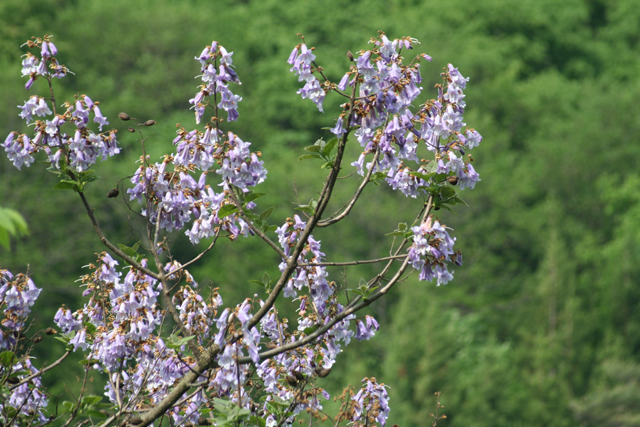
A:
539	327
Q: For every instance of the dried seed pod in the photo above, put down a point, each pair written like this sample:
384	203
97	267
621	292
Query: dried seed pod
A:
37	339
149	123
131	130
299	375
323	372
350	55
453	180
291	380
205	421
113	193
13	380
124	116
272	344
50	331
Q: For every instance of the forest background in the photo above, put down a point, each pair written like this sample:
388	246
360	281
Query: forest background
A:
540	325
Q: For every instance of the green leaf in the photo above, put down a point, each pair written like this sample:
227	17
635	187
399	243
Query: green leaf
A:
67	406
131	252
460	201
227	210
7	358
447	192
257	282
311	329
6	222
402	226
310	156
63	339
89	327
313	148
174	342
249	197
90	400
258	421
425	176
329	146
267	213
67	185
96	414
327	165
431	167
17	220
309	208
445	207
4	238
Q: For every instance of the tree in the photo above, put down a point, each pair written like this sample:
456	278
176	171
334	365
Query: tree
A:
165	345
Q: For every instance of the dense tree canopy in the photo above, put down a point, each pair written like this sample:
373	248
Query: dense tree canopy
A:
540	325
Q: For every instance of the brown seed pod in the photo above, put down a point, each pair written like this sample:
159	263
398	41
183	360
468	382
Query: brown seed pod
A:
50	331
124	116
291	380
113	193
323	372
37	339
131	130
272	344
13	380
205	421
299	375
350	55
453	180
149	123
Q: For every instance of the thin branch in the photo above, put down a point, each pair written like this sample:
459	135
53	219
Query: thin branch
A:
346	209
41	371
213	243
357	262
356	305
325	195
251	225
110	245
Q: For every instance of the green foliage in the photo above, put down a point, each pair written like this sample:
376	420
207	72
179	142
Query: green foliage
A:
11	224
543	313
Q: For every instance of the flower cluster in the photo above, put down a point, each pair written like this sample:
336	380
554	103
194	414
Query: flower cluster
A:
168	189
17	296
119	324
80	149
301	58
27	398
215	81
388	124
372	404
432	251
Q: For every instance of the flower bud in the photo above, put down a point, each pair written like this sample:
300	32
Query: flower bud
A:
299	375
131	130
124	116
113	193
350	55
36	340
453	180
50	331
149	123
